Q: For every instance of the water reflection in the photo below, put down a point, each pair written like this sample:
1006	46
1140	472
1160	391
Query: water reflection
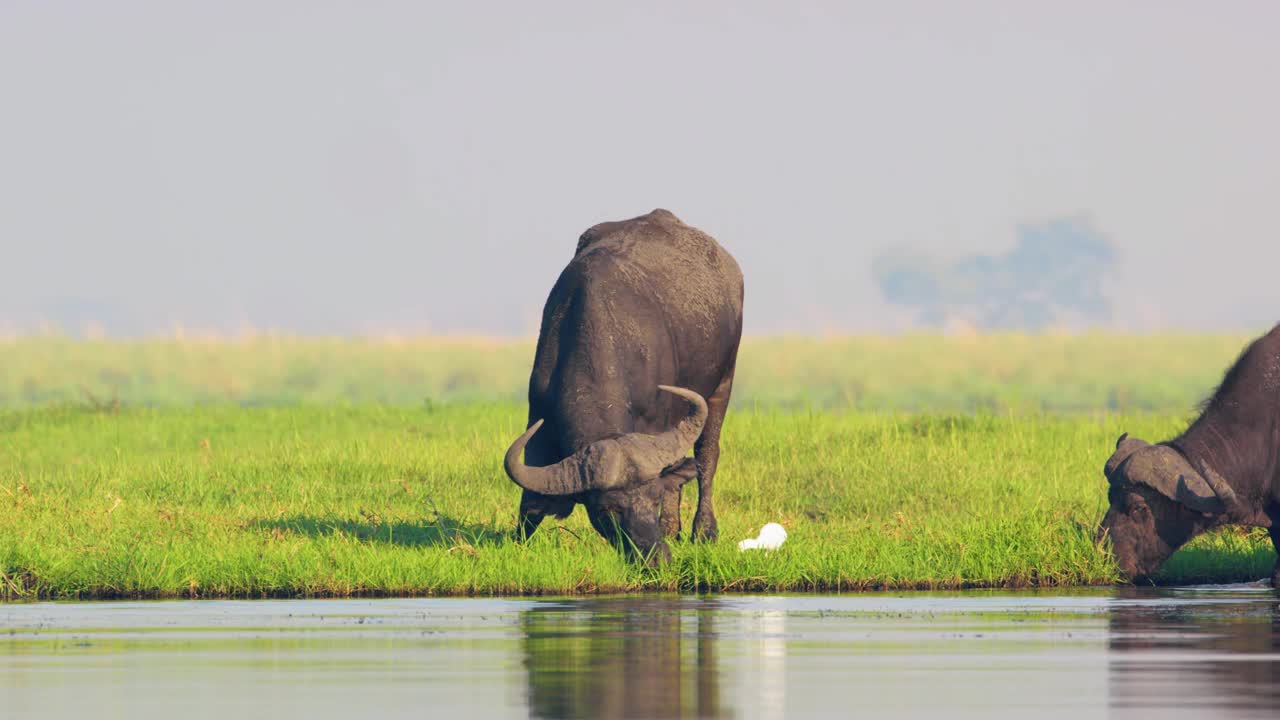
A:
623	658
765	662
1214	651
1098	653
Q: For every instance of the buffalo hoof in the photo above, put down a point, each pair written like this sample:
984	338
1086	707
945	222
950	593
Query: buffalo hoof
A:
704	528
658	556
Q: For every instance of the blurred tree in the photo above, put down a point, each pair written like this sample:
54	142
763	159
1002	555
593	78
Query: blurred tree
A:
1054	274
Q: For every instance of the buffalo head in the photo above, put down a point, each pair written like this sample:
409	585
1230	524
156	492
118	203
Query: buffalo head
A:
1158	502
620	479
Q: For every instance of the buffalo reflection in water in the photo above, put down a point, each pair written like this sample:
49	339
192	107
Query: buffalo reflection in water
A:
622	658
1220	654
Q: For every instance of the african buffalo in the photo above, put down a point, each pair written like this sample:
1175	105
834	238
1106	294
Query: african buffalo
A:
646	305
1224	470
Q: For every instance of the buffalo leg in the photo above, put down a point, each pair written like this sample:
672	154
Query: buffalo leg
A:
671	513
674	478
534	507
706	453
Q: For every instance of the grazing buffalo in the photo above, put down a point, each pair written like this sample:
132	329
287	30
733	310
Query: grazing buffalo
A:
1224	470
643	324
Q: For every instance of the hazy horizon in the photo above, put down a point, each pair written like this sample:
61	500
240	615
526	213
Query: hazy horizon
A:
420	168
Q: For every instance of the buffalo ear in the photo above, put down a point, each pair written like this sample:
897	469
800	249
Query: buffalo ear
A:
676	477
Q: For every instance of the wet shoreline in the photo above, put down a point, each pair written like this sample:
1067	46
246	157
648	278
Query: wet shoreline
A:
1080	653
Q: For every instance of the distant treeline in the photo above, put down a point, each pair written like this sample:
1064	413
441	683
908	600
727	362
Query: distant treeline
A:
1054	275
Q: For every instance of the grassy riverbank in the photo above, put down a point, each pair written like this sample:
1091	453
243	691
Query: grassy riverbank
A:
220	501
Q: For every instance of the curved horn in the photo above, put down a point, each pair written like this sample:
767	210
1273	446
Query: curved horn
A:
1219	486
1125	448
563	478
611	462
648	455
687	431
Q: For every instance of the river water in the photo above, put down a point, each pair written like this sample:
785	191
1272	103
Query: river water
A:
1189	652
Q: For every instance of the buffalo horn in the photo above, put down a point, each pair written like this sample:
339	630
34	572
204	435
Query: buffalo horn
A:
612	462
1220	487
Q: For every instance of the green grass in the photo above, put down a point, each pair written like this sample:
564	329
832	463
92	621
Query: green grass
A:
337	500
913	373
270	466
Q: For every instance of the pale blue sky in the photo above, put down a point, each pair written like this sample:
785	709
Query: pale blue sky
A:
428	166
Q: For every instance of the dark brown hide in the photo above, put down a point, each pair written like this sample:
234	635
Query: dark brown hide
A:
645	302
1223	470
